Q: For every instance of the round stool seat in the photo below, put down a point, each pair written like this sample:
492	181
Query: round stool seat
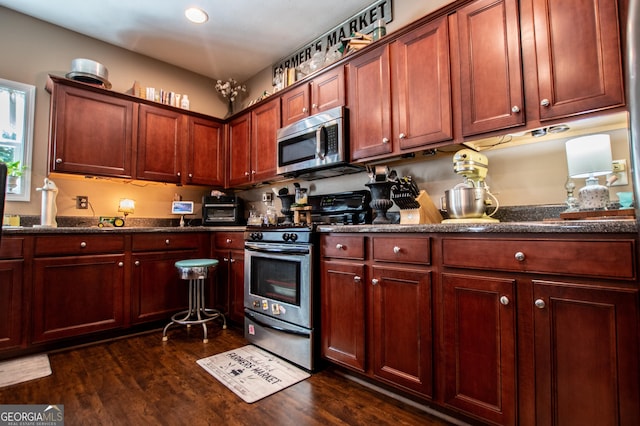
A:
195	269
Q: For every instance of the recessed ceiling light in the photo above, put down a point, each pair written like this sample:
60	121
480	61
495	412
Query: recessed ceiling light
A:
195	15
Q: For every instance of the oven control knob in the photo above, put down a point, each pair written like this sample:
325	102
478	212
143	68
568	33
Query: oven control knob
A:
286	236
293	237
256	236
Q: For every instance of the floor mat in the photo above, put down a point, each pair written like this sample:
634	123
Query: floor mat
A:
252	373
23	369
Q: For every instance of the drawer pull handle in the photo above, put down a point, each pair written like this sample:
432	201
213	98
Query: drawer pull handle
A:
396	249
121	264
137	263
504	300
519	256
83	244
375	281
540	304
339	246
357	278
167	242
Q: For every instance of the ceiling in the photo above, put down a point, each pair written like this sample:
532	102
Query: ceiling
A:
241	37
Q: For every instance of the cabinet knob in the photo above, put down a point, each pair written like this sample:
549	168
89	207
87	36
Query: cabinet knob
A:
339	246
402	136
314	106
178	174
228	240
519	256
545	102
385	140
232	260
504	300
396	249
190	175
167	242
121	264
357	278
540	304
375	281
58	160
304	109
83	244
246	173
137	263
515	109
253	172
225	259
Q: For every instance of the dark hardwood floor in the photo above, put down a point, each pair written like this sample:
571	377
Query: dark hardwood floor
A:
140	380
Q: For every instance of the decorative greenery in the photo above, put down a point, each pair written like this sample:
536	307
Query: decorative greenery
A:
230	89
14	168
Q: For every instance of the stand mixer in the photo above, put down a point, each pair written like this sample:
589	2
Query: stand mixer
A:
467	201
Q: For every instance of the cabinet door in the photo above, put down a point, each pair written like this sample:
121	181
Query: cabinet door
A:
295	105
236	284
160	137
327	90
577	48
157	291
77	295
11	303
422	91
343	313
238	152
205	153
369	100
479	346
265	122
402	337
491	89
586	355
90	133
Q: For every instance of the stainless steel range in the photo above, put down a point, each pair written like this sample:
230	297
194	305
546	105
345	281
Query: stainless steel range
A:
281	292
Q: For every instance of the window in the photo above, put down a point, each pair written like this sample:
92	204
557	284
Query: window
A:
17	104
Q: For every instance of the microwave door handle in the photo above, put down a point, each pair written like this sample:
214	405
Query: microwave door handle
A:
320	145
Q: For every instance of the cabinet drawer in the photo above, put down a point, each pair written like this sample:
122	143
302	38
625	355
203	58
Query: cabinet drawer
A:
12	248
165	241
604	259
78	244
229	240
343	246
402	250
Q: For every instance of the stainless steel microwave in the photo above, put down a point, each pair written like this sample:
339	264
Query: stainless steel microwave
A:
315	146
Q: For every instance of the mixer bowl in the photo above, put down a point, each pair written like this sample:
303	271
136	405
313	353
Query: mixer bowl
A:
464	202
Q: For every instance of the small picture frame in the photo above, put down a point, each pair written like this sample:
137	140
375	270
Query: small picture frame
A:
182	207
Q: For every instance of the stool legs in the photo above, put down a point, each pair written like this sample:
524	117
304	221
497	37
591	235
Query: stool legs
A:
197	312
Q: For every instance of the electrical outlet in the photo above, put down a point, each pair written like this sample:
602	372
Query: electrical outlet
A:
620	171
82	202
267	197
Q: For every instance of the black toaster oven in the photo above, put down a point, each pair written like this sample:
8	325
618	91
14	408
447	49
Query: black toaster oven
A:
222	210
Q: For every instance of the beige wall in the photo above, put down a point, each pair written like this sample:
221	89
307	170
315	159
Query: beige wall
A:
528	175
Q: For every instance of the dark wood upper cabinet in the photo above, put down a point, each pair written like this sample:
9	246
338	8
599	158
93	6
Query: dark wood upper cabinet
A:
238	150
205	152
161	134
576	45
265	122
489	63
91	133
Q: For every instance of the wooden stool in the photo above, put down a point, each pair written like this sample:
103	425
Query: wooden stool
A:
196	271
303	213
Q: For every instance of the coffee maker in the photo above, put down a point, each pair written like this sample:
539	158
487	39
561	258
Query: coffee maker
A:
468	201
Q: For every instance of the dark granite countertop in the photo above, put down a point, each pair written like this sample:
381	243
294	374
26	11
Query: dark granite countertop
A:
111	230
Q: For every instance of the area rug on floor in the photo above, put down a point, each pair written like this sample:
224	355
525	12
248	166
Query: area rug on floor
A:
252	373
24	369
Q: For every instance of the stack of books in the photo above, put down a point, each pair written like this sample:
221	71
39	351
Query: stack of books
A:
356	42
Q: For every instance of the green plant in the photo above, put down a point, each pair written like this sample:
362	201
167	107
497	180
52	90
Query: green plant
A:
14	168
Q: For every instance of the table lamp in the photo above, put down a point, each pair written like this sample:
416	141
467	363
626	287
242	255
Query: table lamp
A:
589	157
126	206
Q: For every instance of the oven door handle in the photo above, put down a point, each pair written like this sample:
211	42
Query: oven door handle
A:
288	250
281	329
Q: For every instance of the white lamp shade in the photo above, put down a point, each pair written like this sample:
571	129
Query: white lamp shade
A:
126	205
589	156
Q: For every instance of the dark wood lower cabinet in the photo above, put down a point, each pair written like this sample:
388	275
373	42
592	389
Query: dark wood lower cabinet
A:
11	289
586	355
157	291
77	295
479	324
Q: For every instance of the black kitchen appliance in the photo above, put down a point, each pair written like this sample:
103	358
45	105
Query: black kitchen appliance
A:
222	210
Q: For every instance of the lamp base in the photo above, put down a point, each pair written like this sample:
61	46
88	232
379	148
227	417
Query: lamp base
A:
593	197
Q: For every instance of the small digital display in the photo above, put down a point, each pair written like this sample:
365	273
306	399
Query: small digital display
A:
182	207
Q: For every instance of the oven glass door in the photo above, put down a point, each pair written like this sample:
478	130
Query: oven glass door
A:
278	281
